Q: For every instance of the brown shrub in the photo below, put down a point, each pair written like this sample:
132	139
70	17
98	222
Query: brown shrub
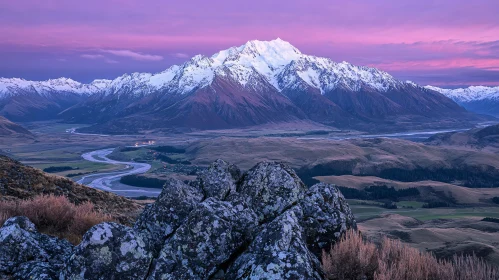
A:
351	258
355	258
399	261
55	215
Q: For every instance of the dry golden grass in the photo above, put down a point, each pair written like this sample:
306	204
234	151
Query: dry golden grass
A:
351	258
55	215
355	258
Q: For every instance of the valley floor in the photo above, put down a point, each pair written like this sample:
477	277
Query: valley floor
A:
346	158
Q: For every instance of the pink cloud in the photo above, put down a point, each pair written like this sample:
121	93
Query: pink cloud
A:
391	34
134	55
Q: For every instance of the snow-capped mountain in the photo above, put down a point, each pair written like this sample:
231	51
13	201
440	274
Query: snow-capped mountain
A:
479	99
22	100
270	60
16	86
258	82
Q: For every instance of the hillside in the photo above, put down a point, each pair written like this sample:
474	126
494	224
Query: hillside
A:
8	128
486	137
393	159
18	181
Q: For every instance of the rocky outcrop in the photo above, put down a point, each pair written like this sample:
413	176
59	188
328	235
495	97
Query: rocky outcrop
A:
161	219
264	224
214	232
218	180
326	215
278	252
36	270
21	245
109	251
270	188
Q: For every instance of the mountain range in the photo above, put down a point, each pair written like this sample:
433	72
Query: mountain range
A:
256	83
478	99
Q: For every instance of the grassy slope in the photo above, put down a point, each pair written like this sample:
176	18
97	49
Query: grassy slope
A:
23	182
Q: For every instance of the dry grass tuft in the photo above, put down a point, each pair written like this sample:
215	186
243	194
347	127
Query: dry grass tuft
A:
351	258
55	215
355	258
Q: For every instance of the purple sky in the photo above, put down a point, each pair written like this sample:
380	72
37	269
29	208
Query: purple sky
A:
441	42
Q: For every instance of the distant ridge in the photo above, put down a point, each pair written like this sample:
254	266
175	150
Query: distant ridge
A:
479	99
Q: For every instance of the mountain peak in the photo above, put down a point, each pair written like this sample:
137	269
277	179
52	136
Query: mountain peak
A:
263	47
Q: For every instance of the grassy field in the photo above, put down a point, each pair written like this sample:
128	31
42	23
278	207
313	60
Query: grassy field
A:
82	166
51	127
364	210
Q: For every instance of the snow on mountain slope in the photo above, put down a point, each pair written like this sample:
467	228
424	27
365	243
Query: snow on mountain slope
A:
473	93
280	63
16	86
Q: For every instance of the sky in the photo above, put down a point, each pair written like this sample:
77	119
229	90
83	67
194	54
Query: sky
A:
447	43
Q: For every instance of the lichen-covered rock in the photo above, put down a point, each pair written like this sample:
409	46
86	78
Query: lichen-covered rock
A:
209	237
36	270
326	216
169	211
271	188
108	251
278	252
218	180
265	225
20	242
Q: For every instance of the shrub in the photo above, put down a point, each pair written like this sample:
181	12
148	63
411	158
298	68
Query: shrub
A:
55	215
355	258
168	149
55	169
436	204
351	258
378	192
495	199
142	181
491	220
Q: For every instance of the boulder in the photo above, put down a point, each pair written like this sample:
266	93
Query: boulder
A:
20	242
264	225
164	216
211	235
278	252
108	251
270	188
326	216
219	180
36	270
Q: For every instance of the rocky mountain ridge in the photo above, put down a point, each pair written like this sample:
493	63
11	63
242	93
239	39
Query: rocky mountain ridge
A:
263	224
479	99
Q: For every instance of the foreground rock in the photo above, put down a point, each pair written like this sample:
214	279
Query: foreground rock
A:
270	188
326	215
210	236
172	207
278	252
109	251
21	245
265	224
218	180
